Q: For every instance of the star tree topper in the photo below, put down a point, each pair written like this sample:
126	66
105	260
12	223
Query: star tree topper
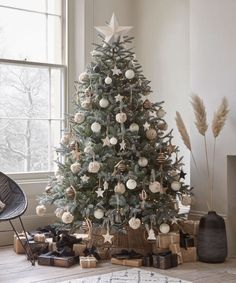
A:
112	32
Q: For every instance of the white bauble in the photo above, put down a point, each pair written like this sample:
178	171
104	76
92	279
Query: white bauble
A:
96	127
98	213
40	210
175	186
119	188
94	167
161	113
164	228
86	104
89	150
131	184
65	139
186	199
75	167
67	217
108	80
129	74
151	134
155	187
113	141
134	223
142	162
59	212
104	103
79	117
175	175
134	127
121	117
83	77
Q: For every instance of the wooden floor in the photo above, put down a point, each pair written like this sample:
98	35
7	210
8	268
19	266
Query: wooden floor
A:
15	268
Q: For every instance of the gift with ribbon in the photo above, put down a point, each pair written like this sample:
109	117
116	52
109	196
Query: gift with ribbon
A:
190	227
125	254
189	254
135	262
186	240
88	262
175	249
91	252
56	259
162	260
164	240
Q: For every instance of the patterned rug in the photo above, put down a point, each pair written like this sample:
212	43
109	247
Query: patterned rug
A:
133	275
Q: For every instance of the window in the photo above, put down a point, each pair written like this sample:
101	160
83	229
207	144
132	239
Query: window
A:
32	83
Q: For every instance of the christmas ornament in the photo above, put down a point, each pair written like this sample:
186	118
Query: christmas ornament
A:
94	167
96	127
155	187
40	210
65	139
86	104
119	98
75	167
175	175
116	71
122	145
108	237
174	220
151	235
83	77
73	145
113	32
108	80
160	113
98	213
100	192
67	217
121	117
129	74
121	166
58	212
147	104
119	188
96	69
151	134
79	117
70	192
134	127
105	185
113	141
186	199
143	195
84	178
164	228
48	189
162	126
103	103
142	162
161	157
131	184
146	126
95	53
170	148
182	174
106	141
175	186
134	223
89	150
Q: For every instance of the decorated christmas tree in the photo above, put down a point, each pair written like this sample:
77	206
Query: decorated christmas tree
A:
117	165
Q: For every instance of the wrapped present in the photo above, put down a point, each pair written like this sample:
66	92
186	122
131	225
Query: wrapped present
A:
88	262
164	240
189	254
174	260
18	248
162	260
91	252
36	248
79	249
190	226
39	237
175	249
127	262
52	259
125	254
157	250
52	246
186	240
147	260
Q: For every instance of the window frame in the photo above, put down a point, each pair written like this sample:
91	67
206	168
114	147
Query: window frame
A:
35	177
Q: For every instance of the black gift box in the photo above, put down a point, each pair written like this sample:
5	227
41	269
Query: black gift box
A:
53	259
186	240
174	260
147	260
162	260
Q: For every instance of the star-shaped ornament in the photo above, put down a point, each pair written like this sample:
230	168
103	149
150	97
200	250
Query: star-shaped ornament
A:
174	220
182	174
84	178
100	192
106	141
146	126
170	148
119	98
122	145
107	237
116	71
112	32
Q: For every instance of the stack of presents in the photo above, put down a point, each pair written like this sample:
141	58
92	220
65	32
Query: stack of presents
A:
63	249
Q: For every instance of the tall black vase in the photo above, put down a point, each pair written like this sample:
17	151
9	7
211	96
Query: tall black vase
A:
212	239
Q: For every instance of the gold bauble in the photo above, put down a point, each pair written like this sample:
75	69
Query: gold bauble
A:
147	104
122	167
151	134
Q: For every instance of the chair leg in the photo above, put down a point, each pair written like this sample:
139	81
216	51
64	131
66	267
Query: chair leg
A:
28	251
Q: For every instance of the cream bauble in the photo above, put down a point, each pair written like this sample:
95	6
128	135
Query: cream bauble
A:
96	127
175	186
48	189
108	80
59	212
131	184
121	117
86	104
142	162
113	141
89	150
67	217
94	167
83	77
175	175
75	167
65	139
164	228
104	103
40	210
119	188
186	199
129	74
79	117
134	223
134	127
98	213
151	134
155	187
161	113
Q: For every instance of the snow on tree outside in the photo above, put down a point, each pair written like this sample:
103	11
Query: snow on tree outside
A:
120	166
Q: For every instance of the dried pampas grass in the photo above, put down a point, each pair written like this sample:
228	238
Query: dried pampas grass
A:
182	130
220	117
200	114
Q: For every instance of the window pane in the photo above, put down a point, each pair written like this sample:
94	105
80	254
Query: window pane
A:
56	94
56	127
54	39
54	6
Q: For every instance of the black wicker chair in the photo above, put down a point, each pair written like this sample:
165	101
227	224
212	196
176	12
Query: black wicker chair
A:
15	205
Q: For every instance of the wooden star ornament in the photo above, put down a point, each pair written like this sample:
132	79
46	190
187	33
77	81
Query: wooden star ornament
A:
107	237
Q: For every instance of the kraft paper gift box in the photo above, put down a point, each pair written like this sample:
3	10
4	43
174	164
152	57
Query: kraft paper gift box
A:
79	249
53	260
164	240
127	262
190	227
88	262
175	249
189	254
17	244
52	246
